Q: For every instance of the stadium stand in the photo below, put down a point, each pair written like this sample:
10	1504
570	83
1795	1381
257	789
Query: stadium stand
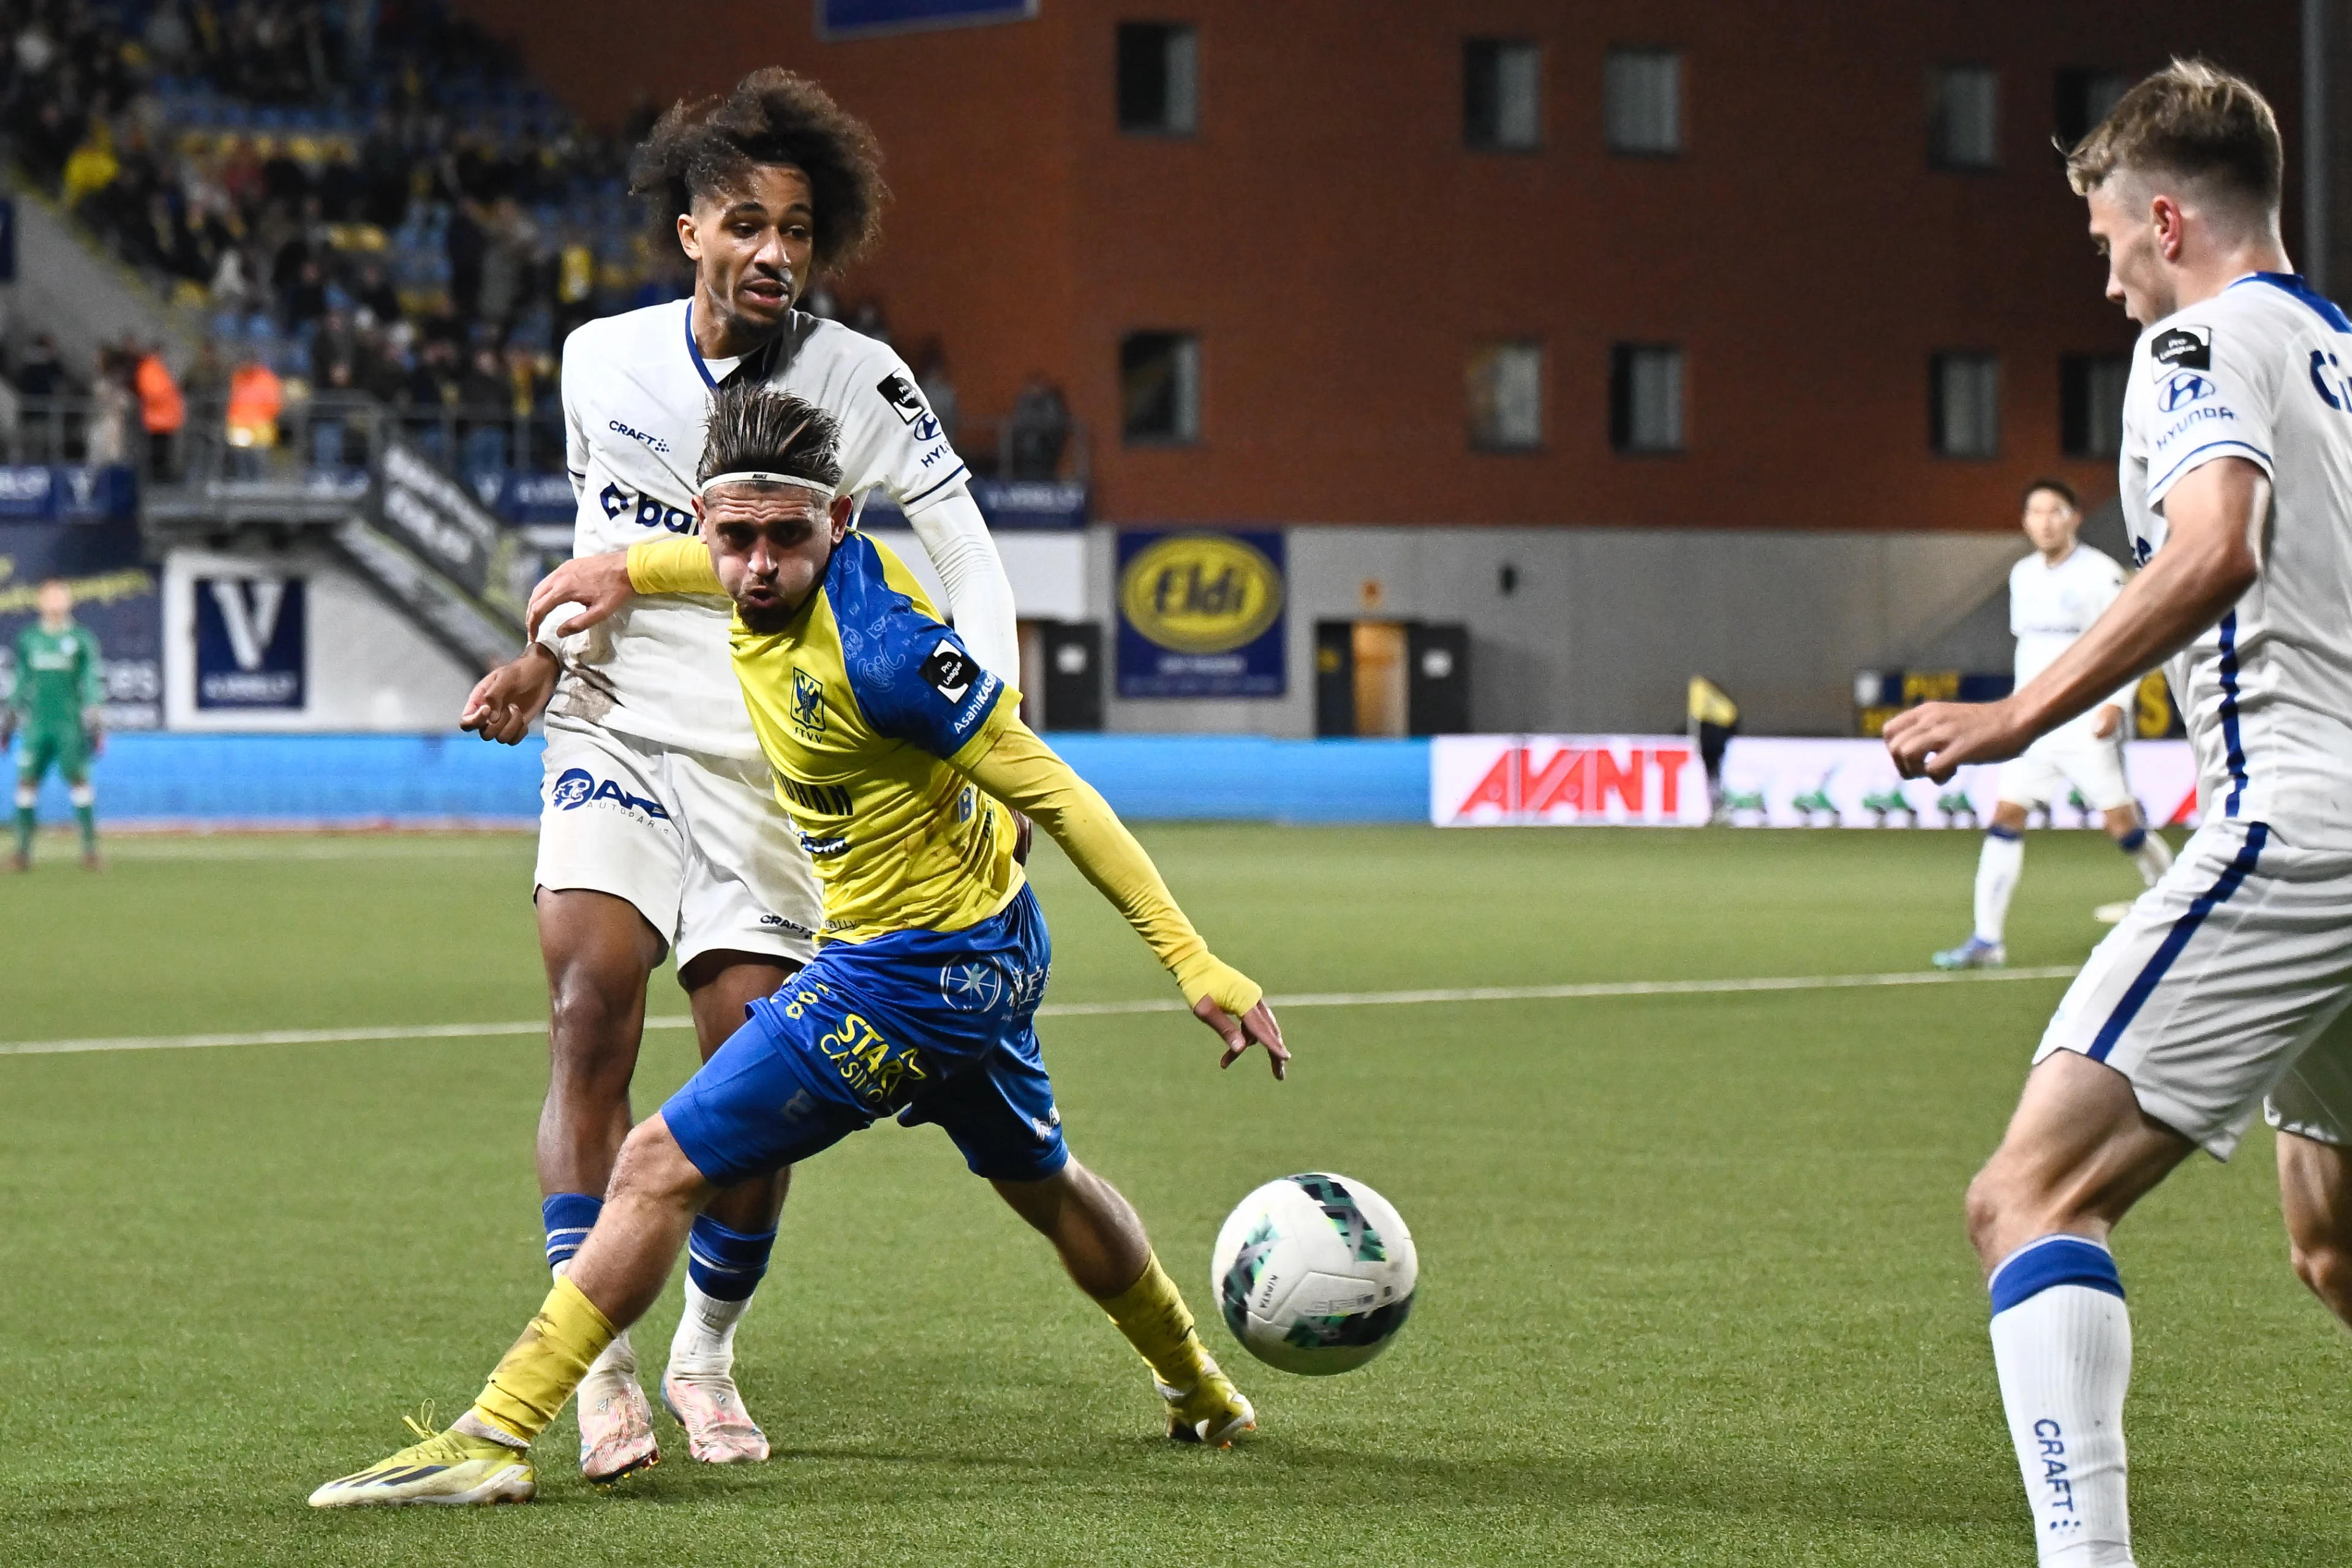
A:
358	201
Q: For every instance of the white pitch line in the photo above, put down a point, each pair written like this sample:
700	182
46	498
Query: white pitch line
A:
1092	1009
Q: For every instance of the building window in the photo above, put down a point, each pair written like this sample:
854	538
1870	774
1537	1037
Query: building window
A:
1160	387
1502	95
1158	79
1642	91
2091	403
1645	398
2084	98
1505	382
1964	398
1967	132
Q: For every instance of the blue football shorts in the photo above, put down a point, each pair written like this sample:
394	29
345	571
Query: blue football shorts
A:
926	1026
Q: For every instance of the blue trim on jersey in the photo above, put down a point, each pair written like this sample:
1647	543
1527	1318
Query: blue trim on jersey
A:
2235	759
2175	940
2173	472
2053	1260
2292	283
695	350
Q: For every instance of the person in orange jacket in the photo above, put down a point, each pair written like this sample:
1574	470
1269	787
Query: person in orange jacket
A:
161	410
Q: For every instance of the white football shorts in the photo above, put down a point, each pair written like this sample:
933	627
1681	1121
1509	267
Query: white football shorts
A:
2224	985
2041	775
696	843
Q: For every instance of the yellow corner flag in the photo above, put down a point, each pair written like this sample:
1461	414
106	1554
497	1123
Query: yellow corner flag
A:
1708	705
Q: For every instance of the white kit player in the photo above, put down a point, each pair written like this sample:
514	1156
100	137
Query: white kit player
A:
659	831
2054	596
2221	991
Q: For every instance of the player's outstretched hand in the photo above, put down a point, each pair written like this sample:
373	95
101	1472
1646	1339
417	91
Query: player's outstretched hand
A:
599	584
1256	1026
504	703
1936	738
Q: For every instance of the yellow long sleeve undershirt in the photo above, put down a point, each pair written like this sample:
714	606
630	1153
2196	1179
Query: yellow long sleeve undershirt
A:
1011	764
679	565
1022	772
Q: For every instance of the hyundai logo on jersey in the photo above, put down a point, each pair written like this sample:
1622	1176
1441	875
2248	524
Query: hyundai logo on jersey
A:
2185	387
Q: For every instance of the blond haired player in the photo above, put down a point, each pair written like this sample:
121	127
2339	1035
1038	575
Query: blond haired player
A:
2222	991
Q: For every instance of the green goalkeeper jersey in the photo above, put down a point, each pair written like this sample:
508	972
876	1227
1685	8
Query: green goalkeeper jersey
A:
57	678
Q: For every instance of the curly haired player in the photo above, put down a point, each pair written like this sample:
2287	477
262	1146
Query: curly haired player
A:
660	829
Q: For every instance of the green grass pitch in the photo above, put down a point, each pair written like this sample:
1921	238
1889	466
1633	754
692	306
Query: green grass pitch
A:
1693	1288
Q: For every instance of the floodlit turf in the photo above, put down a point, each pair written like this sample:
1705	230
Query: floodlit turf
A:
1694	1289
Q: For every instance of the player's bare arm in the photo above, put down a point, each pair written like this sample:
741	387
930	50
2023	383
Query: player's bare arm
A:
2210	557
504	703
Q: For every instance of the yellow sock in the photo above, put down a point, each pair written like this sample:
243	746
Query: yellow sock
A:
1152	1315
534	1378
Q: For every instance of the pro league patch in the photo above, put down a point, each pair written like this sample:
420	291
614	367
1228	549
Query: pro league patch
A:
2179	348
950	672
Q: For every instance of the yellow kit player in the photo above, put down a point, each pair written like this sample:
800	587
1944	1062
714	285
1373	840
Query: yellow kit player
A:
897	757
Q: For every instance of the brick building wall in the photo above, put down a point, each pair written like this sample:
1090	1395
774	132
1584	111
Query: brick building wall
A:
1341	254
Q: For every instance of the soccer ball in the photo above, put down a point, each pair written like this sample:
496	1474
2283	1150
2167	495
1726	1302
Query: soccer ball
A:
1315	1273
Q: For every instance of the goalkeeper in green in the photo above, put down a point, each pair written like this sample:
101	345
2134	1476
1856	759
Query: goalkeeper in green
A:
58	703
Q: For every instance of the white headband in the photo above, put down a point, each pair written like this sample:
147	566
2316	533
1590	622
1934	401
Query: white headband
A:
755	477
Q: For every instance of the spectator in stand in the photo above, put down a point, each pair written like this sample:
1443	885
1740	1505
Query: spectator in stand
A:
108	440
162	411
256	398
483	395
43	371
1038	431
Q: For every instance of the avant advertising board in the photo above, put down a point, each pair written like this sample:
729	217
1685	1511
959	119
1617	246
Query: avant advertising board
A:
252	642
1478	780
1201	614
115	596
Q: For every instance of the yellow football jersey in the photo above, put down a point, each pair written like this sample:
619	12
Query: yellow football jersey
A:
860	705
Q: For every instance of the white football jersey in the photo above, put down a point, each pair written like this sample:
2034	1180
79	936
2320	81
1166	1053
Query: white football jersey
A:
2262	371
2050	606
635	395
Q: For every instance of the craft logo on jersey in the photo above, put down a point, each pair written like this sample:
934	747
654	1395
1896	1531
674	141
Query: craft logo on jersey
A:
1201	593
950	671
2179	348
808	702
2184	388
907	403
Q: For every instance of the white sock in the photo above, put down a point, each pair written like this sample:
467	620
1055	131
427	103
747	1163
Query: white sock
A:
2153	856
2062	1343
704	1345
1997	864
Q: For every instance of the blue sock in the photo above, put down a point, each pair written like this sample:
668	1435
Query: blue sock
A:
726	1265
569	1217
2130	842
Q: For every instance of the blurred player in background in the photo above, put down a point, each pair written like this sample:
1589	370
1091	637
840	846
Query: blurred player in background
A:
58	702
2054	594
660	829
900	754
2224	990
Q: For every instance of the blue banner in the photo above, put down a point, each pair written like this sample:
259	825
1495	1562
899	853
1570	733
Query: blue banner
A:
252	649
1201	614
115	596
847	18
32	492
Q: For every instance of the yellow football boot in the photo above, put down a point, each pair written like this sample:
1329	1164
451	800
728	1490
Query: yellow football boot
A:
1212	1412
441	1467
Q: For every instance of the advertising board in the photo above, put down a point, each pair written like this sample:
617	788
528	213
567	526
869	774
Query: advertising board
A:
1201	614
1658	781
